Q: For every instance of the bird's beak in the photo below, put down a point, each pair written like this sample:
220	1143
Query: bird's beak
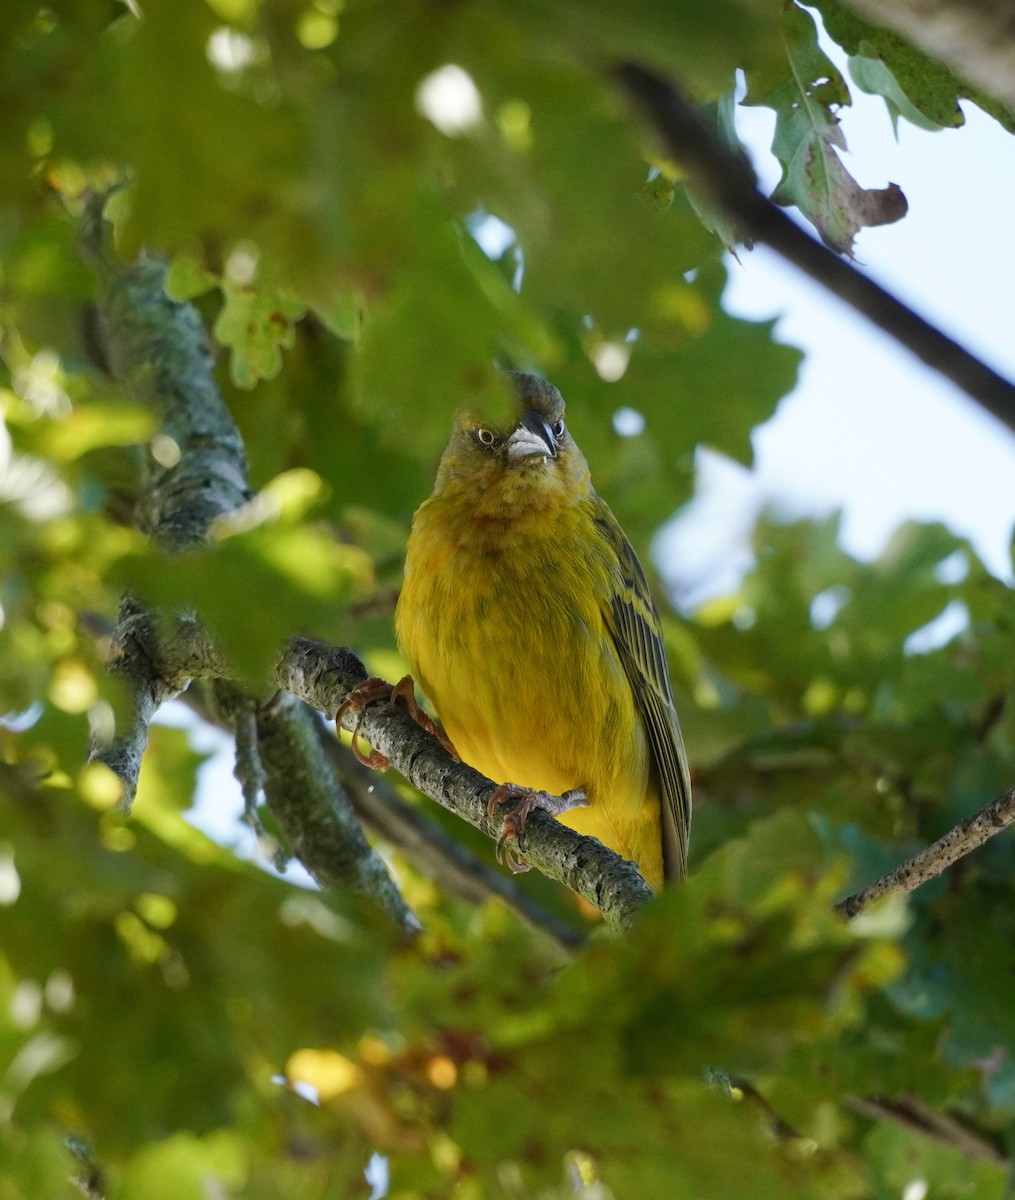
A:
532	438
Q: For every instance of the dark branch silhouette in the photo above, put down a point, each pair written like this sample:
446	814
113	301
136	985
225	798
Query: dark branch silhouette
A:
727	179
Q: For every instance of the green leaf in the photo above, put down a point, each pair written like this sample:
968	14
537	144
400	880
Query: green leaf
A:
256	323
184	1167
343	316
807	138
91	426
930	87
187	277
427	350
872	76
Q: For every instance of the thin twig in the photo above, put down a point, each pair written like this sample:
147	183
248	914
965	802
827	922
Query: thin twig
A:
729	182
929	863
944	1128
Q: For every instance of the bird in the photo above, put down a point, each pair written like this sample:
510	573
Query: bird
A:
526	619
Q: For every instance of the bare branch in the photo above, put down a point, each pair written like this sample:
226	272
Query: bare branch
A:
929	863
729	182
323	676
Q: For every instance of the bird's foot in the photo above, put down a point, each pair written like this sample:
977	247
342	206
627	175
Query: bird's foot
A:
525	800
379	689
359	697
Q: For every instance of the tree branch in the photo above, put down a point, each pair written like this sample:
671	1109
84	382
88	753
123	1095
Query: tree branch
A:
305	797
195	468
248	770
136	665
944	1128
929	863
438	855
729	182
323	676
196	472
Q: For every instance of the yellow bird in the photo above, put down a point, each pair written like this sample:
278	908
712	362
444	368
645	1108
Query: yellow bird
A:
526	618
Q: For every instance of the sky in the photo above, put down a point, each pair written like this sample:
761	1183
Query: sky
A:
868	429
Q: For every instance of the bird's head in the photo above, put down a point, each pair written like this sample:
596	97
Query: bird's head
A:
530	463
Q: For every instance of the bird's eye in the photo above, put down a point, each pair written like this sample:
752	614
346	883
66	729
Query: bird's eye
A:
558	429
485	438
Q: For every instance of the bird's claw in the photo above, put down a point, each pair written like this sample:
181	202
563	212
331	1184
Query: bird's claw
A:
404	691
513	824
372	689
359	697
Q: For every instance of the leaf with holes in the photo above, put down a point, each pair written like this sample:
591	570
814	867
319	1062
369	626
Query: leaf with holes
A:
807	138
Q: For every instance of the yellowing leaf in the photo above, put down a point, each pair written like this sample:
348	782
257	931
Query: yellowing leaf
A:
256	324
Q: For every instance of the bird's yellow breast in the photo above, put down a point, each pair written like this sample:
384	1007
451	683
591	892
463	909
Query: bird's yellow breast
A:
504	625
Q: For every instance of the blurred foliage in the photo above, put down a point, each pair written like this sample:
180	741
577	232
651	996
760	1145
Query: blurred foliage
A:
198	1026
912	85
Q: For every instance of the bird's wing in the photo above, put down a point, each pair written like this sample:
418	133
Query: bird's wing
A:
634	622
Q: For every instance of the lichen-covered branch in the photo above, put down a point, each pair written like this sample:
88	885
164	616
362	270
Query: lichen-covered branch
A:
305	797
728	181
323	676
248	769
444	859
402	825
137	667
196	472
930	863
196	468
